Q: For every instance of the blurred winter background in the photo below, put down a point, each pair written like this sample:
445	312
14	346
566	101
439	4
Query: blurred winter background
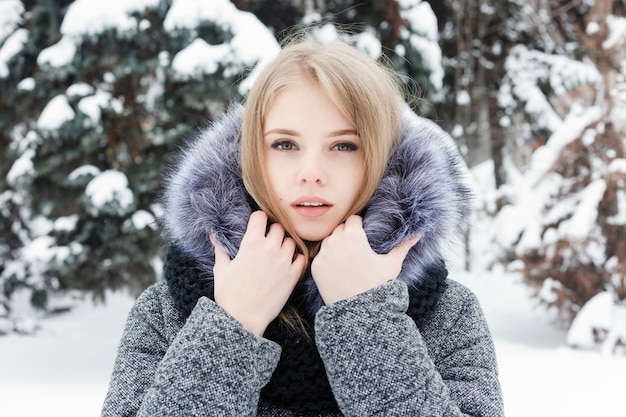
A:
95	94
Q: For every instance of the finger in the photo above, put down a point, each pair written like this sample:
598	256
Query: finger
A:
337	230
276	232
298	267
257	224
221	256
402	249
289	246
354	221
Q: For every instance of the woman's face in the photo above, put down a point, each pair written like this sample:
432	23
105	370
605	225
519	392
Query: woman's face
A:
314	159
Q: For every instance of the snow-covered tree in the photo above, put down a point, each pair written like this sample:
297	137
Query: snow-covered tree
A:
403	33
565	213
95	94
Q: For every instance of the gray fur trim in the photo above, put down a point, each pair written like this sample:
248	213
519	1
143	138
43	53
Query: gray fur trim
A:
425	192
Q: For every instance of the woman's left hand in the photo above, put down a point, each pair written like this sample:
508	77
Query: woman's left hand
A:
346	265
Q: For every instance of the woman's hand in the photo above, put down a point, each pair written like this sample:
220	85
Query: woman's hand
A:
255	285
346	265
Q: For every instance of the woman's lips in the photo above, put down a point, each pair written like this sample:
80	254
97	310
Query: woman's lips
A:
311	206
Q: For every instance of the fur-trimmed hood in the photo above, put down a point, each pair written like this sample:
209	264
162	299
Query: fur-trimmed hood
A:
424	192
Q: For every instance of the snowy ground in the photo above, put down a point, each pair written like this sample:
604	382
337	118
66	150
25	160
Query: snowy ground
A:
64	369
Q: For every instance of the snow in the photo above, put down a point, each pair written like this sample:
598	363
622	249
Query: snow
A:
79	90
540	375
463	98
521	224
92	106
421	17
424	37
10	17
140	220
64	369
367	42
23	166
56	112
27	84
252	43
59	54
66	223
108	192
200	57
527	69
83	170
596	313
617	28
12	46
88	17
583	222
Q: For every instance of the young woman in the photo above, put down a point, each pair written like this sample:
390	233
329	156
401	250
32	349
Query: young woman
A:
305	274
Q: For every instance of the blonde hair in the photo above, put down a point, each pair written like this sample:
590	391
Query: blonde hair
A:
367	93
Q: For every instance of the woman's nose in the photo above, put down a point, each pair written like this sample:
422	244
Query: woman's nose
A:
312	170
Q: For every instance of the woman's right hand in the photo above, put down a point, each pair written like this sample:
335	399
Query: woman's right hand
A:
255	285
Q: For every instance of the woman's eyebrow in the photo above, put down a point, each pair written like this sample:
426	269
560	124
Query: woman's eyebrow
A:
282	131
342	132
333	134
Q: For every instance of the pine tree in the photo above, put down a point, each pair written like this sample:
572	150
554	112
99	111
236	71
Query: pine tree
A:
91	107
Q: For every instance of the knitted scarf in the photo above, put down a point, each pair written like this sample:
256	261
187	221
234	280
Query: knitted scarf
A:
299	382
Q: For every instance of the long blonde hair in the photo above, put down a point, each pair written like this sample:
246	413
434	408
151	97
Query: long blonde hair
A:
367	93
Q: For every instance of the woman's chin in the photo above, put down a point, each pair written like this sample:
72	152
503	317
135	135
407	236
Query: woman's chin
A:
313	235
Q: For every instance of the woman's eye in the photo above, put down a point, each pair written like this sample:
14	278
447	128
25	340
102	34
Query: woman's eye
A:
346	146
283	145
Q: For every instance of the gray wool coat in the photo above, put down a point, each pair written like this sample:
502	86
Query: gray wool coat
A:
377	361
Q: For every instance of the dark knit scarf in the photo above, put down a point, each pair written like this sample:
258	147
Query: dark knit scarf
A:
299	382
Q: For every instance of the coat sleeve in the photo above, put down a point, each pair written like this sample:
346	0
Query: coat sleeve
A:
212	363
379	364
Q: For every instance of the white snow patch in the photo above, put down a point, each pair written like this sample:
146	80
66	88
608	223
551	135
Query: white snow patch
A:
368	42
424	37
595	314
87	169
140	220
66	223
421	17
92	106
11	47
56	112
58	55
108	192
89	17
27	84
617	32
21	167
463	98
79	90
526	69
618	166
252	43
10	17
543	159
200	57
581	225
593	28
